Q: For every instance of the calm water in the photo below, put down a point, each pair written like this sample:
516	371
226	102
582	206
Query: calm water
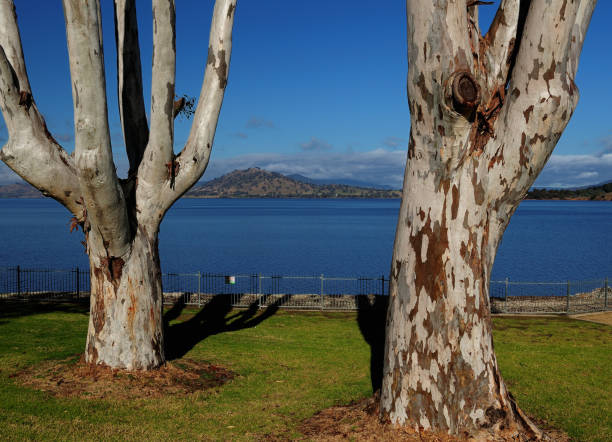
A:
546	240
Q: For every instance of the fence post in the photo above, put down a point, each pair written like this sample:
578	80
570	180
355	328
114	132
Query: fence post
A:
506	296
321	292
382	285
18	281
199	289
78	283
259	289
606	294
567	307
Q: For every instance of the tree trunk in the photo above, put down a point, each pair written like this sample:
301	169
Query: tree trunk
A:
120	218
440	368
125	322
485	113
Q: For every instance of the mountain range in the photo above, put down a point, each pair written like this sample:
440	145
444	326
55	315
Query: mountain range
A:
259	183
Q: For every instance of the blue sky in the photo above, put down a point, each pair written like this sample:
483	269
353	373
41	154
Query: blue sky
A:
316	87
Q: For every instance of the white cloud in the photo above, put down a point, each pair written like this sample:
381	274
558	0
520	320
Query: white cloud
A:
587	175
315	144
576	170
257	122
394	142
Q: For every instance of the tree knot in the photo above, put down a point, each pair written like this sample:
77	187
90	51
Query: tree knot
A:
465	93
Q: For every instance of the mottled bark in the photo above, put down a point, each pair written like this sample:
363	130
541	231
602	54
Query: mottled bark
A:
125	321
129	83
120	218
486	113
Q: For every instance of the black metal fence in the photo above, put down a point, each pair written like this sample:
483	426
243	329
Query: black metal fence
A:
317	292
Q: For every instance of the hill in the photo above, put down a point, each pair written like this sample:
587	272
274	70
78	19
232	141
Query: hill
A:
347	181
602	192
19	190
259	183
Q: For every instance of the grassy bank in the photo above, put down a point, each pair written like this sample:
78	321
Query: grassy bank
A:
289	365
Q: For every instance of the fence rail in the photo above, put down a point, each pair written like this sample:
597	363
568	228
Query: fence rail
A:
317	292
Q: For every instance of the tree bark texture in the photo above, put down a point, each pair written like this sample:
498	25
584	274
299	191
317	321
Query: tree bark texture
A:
486	113
120	218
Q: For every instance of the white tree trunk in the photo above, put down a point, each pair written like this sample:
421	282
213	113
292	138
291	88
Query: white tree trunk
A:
125	322
120	218
486	113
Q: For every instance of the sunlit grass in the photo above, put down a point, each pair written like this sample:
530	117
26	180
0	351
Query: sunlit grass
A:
289	366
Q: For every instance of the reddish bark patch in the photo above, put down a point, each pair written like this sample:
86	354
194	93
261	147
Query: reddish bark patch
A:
455	203
112	267
498	158
524	150
26	100
486	115
550	74
360	421
75	378
527	113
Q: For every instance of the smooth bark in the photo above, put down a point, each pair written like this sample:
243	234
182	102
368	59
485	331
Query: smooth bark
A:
486	113
120	218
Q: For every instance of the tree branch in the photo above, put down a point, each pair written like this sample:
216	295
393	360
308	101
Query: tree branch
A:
583	18
500	41
103	196
541	97
31	150
159	152
129	83
193	159
442	53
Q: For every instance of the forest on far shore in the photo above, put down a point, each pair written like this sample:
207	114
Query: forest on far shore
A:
602	192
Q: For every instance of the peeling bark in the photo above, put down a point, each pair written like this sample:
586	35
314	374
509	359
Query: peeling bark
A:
120	218
125	322
486	113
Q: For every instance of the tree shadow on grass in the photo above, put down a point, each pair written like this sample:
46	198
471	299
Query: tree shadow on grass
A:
14	309
212	319
371	317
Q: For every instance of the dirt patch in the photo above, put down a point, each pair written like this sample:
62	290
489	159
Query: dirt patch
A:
359	421
600	318
72	377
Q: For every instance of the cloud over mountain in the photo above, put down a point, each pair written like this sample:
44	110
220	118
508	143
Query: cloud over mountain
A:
378	166
315	144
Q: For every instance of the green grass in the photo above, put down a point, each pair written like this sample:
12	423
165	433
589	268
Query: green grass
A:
290	365
559	370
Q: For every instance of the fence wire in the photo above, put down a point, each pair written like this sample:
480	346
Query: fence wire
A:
316	292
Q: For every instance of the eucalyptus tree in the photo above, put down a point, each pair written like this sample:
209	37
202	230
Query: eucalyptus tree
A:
120	217
486	113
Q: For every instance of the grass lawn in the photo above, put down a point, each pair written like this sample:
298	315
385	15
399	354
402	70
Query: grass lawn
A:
289	365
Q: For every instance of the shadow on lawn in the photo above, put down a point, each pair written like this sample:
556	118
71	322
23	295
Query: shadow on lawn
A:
371	317
212	319
13	309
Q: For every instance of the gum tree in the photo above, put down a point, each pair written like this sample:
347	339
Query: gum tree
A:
120	218
486	113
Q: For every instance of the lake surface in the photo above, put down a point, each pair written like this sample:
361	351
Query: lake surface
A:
545	241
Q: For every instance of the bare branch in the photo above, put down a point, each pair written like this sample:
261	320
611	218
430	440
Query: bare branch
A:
103	196
193	159
129	83
159	151
541	96
501	40
583	18
10	41
31	150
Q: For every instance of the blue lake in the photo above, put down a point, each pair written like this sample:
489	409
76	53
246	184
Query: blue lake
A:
545	241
